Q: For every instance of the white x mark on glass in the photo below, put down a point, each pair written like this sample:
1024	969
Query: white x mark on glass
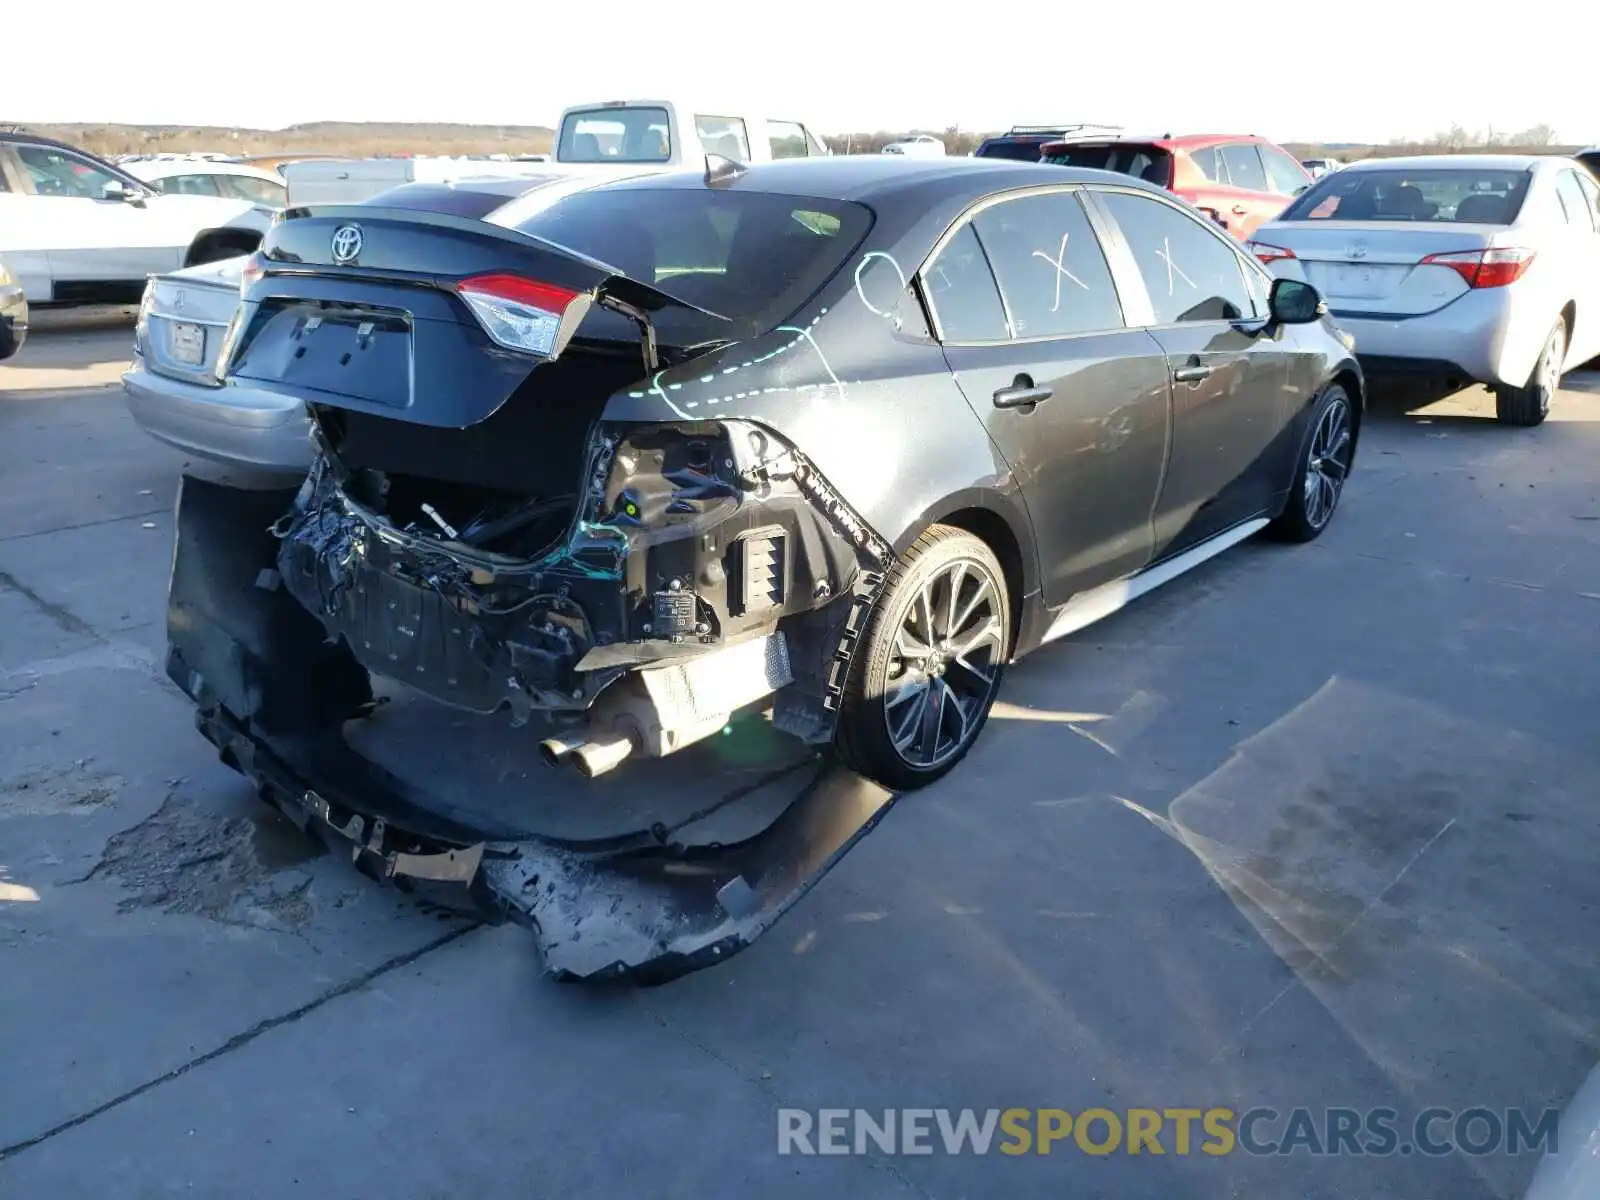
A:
1059	263
1165	254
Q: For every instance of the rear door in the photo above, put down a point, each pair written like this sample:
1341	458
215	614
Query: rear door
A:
1578	193
1077	403
1236	388
1250	199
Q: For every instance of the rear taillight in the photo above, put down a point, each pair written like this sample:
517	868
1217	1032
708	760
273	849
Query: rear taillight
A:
254	268
1494	267
522	314
1269	253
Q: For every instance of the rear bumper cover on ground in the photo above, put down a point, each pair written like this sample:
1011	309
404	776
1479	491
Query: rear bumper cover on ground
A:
639	908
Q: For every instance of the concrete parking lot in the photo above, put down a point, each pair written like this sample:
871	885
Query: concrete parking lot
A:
1313	826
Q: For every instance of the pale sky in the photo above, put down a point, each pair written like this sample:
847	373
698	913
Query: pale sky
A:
1359	70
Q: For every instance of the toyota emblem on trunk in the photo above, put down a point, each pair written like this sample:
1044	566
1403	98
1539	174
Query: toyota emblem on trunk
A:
346	244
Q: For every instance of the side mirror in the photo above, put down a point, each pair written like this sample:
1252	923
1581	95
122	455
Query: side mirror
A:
122	193
1294	302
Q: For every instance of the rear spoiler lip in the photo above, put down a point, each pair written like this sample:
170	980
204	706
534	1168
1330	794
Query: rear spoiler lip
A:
616	284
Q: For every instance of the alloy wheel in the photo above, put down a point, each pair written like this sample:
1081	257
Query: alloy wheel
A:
945	665
1549	377
1329	463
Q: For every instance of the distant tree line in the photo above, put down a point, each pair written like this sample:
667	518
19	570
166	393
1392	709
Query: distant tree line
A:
379	138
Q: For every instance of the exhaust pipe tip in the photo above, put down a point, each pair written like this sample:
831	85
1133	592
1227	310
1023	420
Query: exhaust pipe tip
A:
557	750
596	758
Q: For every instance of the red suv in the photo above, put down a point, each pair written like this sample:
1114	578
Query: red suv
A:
1239	181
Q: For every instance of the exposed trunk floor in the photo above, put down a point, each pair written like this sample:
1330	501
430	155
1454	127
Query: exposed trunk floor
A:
485	765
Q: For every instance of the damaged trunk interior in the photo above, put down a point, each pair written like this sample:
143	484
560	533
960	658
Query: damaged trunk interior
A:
507	485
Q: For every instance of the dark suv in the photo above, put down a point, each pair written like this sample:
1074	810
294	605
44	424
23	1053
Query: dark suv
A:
1026	143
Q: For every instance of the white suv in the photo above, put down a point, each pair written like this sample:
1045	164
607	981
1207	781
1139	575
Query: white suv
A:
75	229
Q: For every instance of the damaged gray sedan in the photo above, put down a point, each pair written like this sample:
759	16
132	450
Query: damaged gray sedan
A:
832	442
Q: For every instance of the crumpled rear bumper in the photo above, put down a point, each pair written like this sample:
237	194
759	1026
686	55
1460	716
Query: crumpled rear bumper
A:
637	908
273	692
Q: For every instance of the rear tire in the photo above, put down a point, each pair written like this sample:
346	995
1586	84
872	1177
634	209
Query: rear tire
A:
1529	405
930	662
1324	465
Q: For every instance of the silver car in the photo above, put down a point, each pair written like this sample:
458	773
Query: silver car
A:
173	388
1467	269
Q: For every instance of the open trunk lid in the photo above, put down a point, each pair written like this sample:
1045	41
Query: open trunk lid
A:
1377	267
418	317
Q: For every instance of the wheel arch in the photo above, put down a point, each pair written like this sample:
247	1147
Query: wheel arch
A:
1001	523
226	236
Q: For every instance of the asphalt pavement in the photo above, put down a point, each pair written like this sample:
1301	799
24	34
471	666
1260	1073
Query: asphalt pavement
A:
1313	826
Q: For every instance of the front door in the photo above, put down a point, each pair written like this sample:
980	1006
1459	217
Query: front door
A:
87	237
1076	402
1235	382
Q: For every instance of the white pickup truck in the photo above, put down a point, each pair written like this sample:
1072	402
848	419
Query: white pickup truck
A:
629	137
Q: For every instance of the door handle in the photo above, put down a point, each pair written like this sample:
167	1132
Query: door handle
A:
1021	395
1193	373
1239	210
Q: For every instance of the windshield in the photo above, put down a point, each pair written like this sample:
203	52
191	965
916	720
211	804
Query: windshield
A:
624	134
1490	196
753	257
1150	163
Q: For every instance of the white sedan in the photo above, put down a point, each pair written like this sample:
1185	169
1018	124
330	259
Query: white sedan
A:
1467	269
74	229
211	177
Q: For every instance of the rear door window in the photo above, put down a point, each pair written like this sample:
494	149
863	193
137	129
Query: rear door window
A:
1210	164
1244	166
1285	176
723	135
624	133
1190	273
961	290
1052	272
190	185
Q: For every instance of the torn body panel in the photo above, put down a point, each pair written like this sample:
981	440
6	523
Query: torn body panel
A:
273	690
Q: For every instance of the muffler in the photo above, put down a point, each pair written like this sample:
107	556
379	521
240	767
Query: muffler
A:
663	709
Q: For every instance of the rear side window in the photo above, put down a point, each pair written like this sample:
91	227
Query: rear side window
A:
1591	193
786	139
1150	163
723	135
1016	149
752	257
626	134
1190	273
961	290
1052	272
1244	166
1576	205
1490	196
